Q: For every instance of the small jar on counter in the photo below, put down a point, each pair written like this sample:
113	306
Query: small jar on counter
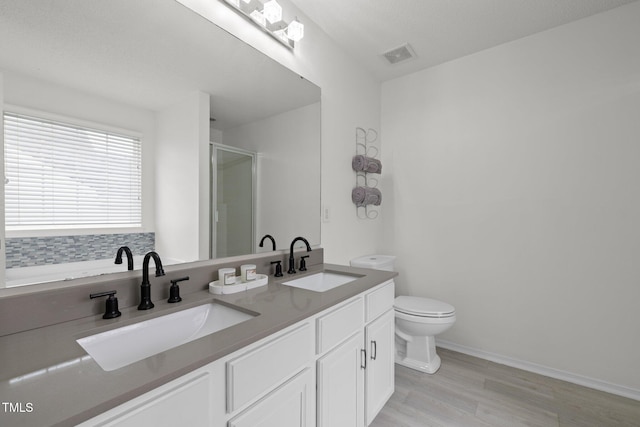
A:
248	272
227	276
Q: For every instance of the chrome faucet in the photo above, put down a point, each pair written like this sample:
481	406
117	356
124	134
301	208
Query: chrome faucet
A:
145	287
127	251
268	236
292	260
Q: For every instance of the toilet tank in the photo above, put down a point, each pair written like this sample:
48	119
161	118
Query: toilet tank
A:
377	262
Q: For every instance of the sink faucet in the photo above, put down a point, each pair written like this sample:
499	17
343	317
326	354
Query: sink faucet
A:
268	236
127	251
292	260
145	287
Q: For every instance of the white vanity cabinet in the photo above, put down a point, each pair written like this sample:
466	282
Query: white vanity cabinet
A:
340	388
340	366
284	361
380	372
333	369
270	383
184	401
253	372
355	378
380	344
290	405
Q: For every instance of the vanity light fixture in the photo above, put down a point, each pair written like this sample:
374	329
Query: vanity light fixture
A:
267	15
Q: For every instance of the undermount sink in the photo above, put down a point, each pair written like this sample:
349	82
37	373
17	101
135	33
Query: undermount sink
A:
321	282
122	346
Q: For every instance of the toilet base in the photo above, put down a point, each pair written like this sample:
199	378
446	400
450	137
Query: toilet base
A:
417	352
428	368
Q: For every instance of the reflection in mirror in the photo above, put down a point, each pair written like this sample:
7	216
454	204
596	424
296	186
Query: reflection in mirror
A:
233	192
160	72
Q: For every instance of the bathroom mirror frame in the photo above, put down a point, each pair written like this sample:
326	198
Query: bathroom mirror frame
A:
137	78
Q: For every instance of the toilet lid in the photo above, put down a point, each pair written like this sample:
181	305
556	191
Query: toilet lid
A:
423	306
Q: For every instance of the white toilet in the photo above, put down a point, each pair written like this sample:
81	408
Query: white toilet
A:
418	321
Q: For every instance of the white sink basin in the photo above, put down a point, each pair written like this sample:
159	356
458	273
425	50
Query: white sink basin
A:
120	347
321	282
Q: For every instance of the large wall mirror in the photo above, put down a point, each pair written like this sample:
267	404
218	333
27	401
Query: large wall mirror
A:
187	89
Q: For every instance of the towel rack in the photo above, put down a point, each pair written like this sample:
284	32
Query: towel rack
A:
366	140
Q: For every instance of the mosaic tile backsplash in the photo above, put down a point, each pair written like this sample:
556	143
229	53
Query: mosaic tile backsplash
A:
32	251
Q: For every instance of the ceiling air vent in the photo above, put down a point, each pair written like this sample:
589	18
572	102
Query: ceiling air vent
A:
399	54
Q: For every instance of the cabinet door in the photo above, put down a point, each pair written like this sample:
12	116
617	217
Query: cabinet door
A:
379	379
290	405
341	385
184	401
252	373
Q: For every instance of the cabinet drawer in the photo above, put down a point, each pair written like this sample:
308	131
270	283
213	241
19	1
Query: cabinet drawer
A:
379	301
258	370
334	327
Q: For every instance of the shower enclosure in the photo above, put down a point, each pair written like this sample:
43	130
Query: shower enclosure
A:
233	196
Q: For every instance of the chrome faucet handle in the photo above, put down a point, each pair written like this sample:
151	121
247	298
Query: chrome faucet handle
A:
111	311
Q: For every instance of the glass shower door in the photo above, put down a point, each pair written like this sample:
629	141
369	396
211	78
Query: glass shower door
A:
233	218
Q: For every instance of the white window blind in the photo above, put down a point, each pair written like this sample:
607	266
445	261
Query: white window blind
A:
63	176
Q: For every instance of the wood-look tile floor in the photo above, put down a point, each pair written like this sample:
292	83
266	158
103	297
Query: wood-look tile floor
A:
468	391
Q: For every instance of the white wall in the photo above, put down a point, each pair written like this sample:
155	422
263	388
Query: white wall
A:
182	175
287	147
350	98
515	186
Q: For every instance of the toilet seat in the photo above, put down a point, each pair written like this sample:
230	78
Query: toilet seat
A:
423	307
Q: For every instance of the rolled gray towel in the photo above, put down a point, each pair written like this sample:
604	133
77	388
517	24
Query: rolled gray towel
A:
363	196
361	163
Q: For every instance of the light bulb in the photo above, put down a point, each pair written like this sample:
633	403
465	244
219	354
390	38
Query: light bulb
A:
272	11
295	31
258	17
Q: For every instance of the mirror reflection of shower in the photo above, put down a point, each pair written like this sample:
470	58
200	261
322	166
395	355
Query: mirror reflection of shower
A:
233	195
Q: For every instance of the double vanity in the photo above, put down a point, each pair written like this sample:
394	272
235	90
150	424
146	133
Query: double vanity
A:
314	348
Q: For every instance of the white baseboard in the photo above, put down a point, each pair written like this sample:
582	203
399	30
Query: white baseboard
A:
543	370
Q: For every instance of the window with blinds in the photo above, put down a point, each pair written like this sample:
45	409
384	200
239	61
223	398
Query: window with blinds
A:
60	175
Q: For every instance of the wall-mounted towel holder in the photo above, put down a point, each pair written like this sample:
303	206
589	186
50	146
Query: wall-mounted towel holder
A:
365	195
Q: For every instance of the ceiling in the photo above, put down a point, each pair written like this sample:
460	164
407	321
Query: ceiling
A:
438	30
